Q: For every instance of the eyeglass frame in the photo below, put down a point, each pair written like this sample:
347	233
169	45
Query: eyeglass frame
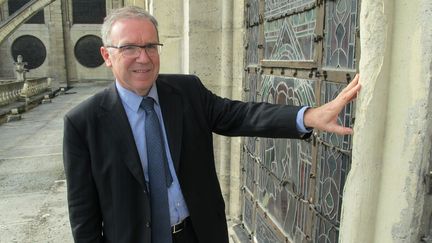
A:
146	48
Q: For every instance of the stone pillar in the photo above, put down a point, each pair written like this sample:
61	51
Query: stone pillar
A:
385	196
57	52
225	86
171	34
210	42
237	56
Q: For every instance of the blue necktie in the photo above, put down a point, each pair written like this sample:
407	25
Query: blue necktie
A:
159	175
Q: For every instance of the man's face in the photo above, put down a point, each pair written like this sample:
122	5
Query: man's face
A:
135	74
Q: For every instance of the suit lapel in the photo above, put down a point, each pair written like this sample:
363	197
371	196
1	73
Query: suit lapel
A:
172	112
116	120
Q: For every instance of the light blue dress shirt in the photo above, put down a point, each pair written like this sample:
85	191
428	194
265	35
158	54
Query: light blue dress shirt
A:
300	122
136	116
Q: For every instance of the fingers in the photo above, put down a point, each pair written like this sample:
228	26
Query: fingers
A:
341	130
338	129
350	91
348	94
353	82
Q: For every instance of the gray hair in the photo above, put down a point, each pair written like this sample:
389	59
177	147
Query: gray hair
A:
129	12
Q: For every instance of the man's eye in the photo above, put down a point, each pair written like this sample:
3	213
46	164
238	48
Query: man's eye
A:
128	47
151	46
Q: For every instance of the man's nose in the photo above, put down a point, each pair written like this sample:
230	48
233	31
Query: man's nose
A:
143	56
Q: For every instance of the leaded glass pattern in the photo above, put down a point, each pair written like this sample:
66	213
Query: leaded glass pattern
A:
264	233
333	167
291	38
248	212
282	177
283	182
250	165
339	32
329	91
290	91
292	189
277	8
325	232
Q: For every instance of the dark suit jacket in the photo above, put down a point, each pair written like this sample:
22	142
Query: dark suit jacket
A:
107	196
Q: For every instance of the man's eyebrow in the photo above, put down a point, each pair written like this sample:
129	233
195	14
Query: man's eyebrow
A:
136	44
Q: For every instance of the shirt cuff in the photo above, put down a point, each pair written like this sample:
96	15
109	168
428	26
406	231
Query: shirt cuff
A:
300	121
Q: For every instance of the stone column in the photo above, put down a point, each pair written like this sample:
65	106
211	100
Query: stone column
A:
385	197
237	63
57	52
211	60
171	23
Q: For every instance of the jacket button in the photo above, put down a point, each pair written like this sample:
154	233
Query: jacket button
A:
147	224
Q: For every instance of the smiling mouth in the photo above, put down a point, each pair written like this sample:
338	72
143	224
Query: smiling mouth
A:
141	71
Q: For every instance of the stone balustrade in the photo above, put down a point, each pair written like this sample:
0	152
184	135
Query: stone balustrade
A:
13	91
33	87
10	92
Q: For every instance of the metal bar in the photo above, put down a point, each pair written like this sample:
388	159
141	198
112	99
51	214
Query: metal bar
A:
309	74
338	75
289	64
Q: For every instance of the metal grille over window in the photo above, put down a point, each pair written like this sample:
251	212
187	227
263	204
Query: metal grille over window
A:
298	52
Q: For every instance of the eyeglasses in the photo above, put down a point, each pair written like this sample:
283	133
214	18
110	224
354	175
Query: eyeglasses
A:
133	51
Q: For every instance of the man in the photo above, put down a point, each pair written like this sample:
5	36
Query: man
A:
108	155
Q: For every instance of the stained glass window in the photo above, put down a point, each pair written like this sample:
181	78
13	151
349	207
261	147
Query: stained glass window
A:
290	38
292	189
264	232
276	8
340	31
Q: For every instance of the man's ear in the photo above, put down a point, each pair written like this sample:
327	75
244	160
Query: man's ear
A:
106	56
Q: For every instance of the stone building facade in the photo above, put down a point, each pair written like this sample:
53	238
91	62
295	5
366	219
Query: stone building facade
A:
384	195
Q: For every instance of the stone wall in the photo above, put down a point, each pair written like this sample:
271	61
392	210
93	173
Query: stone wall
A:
386	196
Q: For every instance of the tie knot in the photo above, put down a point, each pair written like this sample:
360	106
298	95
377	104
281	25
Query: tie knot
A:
147	104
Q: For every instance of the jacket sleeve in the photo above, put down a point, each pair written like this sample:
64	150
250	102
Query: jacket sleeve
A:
237	118
84	210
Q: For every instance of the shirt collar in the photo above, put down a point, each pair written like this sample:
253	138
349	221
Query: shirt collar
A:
133	100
